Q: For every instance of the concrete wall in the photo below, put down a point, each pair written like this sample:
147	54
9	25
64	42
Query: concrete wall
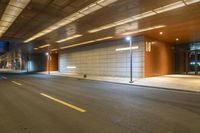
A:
37	62
103	60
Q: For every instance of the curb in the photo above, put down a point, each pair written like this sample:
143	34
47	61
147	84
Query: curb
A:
153	87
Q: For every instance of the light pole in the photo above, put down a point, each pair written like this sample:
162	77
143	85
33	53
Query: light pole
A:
48	62
129	38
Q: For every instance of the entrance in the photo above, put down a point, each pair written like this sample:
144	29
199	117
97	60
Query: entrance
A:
194	62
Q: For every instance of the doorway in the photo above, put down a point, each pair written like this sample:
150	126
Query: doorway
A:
194	62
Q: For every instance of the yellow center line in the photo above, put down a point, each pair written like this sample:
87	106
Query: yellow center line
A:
16	83
64	103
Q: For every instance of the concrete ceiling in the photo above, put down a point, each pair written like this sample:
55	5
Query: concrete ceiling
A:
182	23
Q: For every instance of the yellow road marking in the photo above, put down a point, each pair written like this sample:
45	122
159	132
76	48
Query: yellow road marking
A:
16	83
64	103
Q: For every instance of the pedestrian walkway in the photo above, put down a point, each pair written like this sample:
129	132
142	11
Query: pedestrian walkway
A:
176	82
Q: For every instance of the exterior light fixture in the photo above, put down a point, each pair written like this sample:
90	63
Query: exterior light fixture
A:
161	33
129	38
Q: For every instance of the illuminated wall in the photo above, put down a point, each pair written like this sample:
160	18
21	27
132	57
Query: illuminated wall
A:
102	59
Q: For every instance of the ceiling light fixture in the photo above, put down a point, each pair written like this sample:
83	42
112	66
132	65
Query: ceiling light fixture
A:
12	11
87	42
170	7
188	2
44	46
143	30
123	21
75	16
55	49
69	38
166	8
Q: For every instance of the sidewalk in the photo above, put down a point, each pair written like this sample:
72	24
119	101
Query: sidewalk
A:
176	82
12	71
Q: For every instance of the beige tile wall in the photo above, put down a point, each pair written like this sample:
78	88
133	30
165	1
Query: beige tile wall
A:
103	60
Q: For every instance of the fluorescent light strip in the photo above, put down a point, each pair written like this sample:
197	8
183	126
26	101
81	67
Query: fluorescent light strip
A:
123	21
12	11
170	7
44	46
55	49
75	16
166	8
126	48
188	2
71	67
143	30
87	42
69	38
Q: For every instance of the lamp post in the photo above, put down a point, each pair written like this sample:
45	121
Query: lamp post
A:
48	62
129	38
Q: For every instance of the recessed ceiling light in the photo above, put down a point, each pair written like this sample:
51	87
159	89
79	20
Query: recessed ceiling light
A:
161	33
177	39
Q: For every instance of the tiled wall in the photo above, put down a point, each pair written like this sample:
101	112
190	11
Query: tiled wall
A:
103	60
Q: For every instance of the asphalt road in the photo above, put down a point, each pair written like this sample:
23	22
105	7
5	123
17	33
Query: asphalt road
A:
50	104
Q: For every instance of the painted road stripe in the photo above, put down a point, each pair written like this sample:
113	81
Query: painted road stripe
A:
16	83
64	103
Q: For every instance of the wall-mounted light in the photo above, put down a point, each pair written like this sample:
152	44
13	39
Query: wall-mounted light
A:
71	67
126	48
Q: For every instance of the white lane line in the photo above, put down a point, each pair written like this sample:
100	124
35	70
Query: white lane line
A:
16	83
64	103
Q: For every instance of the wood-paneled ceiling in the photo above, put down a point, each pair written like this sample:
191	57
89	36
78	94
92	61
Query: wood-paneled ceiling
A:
182	23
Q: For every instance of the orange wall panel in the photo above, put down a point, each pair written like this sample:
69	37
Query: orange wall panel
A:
53	62
160	59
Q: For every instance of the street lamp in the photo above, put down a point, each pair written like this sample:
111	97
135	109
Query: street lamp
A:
129	38
48	62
